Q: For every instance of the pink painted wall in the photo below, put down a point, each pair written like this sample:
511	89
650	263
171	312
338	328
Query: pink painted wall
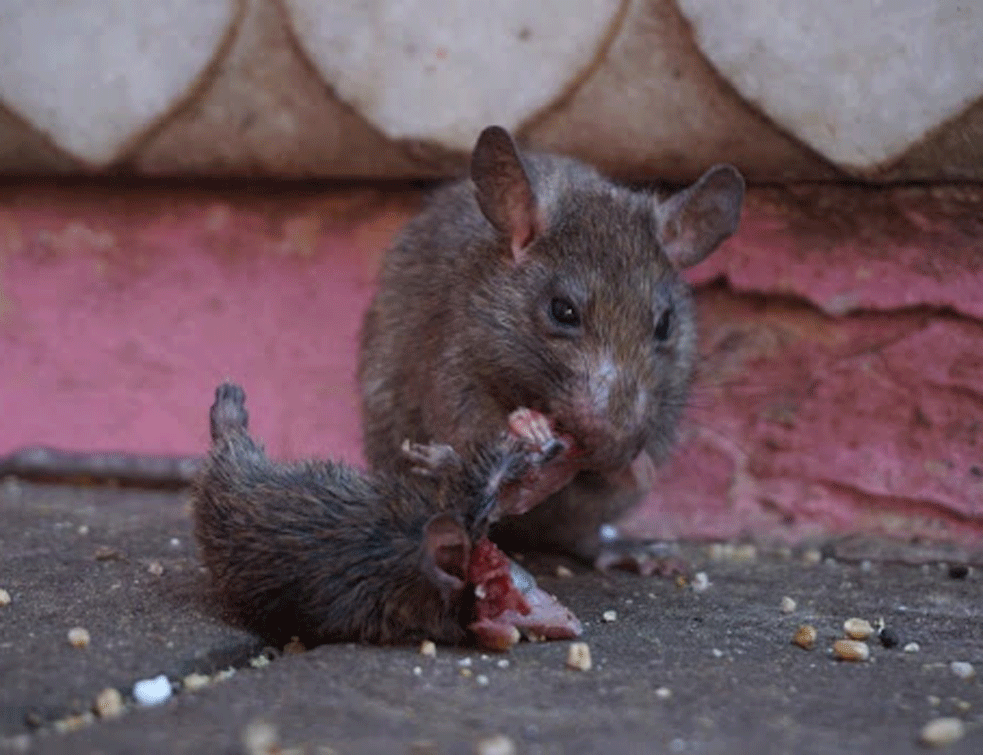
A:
841	391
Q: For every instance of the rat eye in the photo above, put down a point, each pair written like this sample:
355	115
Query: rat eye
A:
563	312
663	325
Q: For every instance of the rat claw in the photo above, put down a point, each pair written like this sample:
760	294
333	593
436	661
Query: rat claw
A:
535	430
429	459
645	557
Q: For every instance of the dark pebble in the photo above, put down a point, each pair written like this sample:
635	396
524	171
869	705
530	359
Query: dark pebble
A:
889	638
958	571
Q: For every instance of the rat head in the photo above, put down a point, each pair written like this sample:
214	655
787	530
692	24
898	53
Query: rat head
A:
581	299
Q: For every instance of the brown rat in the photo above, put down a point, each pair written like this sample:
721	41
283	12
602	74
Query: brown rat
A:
538	283
322	551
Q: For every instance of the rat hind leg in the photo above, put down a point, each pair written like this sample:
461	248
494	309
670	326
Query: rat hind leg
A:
228	414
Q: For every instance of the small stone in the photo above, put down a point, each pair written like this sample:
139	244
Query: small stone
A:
155	568
79	637
958	571
934	700
194	682
805	637
428	649
609	616
858	629
942	731
154	691
578	656
563	572
912	647
175	542
663	693
788	605
83	529
717	653
502	663
701	582
962	669
888	637
497	745
464	662
466	673
417	671
221	676
109	703
260	661
481	680
106	553
4	598
851	650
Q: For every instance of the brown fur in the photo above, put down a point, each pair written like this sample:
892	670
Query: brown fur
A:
461	330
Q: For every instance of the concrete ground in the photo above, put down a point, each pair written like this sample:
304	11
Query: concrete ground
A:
678	670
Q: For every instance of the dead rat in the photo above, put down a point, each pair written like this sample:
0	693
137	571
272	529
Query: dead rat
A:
325	552
538	283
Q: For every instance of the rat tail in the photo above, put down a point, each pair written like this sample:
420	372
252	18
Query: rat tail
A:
228	414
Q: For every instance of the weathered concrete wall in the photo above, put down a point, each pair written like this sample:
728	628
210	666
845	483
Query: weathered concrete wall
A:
787	90
842	389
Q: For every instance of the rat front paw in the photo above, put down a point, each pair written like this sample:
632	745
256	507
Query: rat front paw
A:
645	557
429	459
535	430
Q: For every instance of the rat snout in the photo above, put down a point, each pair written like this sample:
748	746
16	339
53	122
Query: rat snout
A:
607	414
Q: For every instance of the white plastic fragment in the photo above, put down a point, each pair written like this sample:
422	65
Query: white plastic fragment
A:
149	692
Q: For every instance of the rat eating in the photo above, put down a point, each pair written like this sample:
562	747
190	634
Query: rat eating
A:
538	283
325	552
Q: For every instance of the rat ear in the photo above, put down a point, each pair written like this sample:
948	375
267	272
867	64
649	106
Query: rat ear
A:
693	222
446	554
504	192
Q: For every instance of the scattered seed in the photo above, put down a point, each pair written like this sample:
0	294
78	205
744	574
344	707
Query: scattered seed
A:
717	653
578	656
701	582
428	648
858	629
74	723
912	647
221	676
934	700
4	597
788	605
79	637
105	553
83	529
663	693
958	571
481	680
464	662
294	647
152	691
260	738
962	669
851	650
609	616
194	682
417	671
563	572
805	637
497	745
502	663
109	703
466	673
812	556
155	568
888	637
942	731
